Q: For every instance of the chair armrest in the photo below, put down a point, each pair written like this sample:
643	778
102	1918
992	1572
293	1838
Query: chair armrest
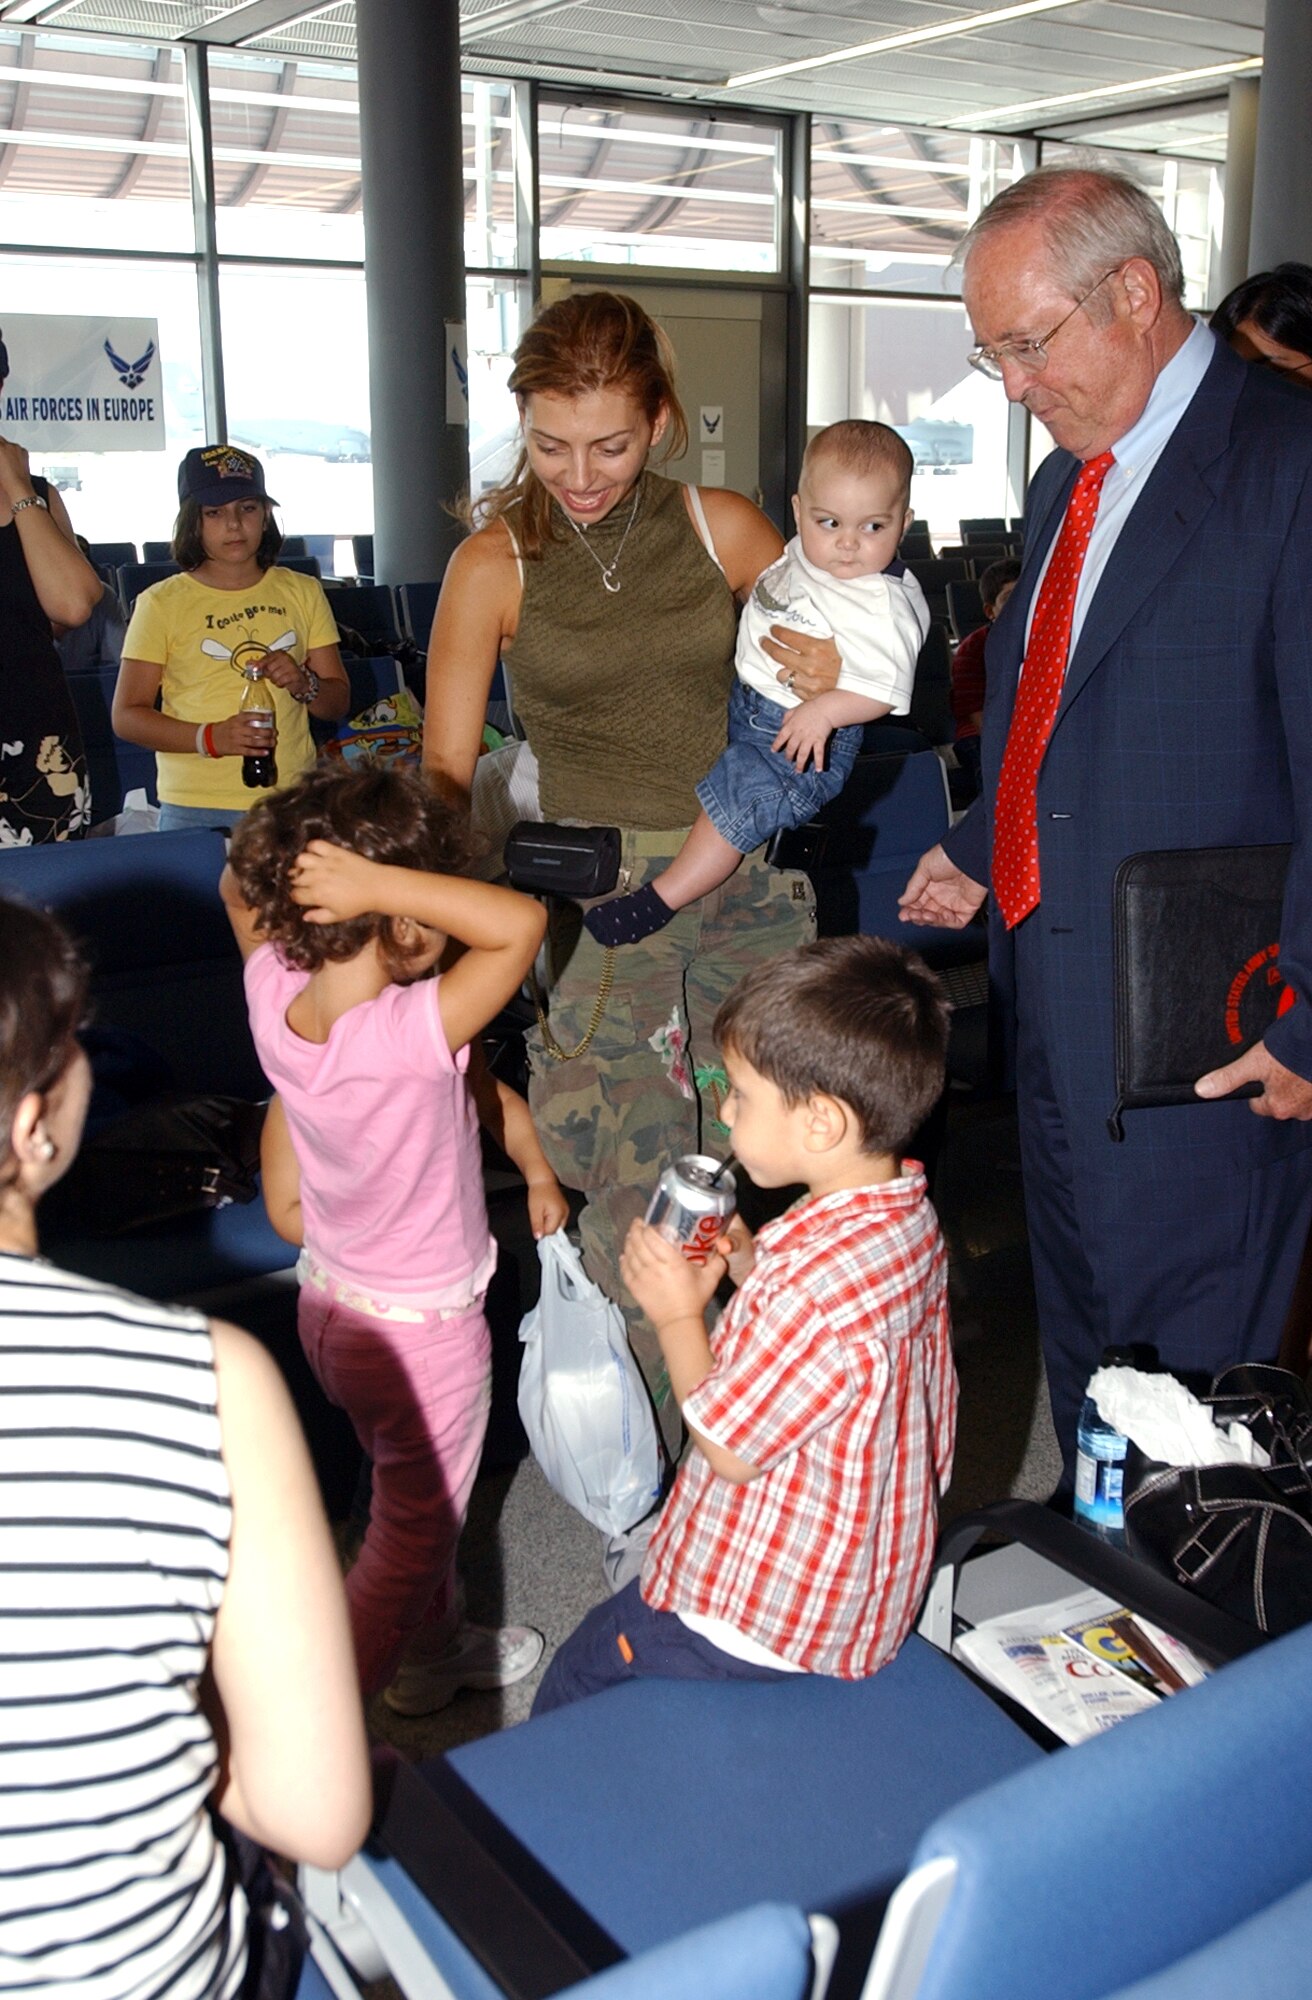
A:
1212	1634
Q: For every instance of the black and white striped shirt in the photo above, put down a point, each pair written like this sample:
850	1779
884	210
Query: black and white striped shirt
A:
115	1516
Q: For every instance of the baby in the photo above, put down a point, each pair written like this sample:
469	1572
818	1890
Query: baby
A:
838	578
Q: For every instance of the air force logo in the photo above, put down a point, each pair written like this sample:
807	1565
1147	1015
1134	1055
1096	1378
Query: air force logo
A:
131	372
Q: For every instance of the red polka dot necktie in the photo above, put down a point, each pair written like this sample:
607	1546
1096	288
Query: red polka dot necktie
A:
1016	812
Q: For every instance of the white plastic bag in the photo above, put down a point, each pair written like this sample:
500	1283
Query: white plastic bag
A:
582	1398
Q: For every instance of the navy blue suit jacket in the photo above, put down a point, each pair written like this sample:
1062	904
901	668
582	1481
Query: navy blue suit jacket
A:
1185	717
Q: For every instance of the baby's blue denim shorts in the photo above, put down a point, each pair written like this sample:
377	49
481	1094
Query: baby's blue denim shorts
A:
751	791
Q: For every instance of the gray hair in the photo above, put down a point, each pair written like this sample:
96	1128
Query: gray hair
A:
1092	223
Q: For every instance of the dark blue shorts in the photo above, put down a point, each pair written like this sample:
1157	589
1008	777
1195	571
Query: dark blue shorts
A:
656	1645
751	791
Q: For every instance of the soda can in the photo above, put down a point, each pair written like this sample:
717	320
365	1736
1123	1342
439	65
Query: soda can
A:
693	1201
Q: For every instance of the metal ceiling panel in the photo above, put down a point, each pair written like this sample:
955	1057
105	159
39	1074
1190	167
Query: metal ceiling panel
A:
678	50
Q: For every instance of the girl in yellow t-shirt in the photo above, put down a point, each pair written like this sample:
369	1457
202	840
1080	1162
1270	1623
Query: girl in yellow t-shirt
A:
191	636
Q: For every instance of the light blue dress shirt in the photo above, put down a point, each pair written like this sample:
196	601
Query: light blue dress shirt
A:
1136	454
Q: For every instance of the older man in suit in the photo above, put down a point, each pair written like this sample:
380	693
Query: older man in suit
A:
1149	686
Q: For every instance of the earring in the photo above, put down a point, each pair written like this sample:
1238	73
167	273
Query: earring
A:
43	1148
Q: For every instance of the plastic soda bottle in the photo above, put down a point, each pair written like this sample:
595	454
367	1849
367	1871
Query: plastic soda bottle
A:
258	768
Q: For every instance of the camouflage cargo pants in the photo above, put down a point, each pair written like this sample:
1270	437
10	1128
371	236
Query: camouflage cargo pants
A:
645	1089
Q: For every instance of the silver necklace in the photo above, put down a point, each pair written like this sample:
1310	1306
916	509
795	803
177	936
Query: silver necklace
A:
608	569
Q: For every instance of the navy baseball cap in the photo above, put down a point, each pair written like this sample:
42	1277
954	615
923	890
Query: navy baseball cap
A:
213	474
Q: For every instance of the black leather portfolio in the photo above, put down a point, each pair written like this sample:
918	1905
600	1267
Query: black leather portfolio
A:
1196	966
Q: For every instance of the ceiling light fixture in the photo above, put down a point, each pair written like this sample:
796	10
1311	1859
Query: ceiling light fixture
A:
975	119
964	24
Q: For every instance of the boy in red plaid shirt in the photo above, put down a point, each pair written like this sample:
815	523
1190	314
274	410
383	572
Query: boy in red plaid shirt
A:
822	1409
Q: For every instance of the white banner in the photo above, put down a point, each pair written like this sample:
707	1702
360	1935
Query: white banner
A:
82	384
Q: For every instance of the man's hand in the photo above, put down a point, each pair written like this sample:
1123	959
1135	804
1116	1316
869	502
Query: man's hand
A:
803	735
331	884
664	1283
1284	1094
939	893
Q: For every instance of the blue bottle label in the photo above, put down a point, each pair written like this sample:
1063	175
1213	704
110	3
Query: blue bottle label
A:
1099	1483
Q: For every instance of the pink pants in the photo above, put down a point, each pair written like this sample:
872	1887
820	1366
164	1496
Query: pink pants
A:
417	1391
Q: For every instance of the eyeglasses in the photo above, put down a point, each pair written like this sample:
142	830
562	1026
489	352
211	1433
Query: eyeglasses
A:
1032	355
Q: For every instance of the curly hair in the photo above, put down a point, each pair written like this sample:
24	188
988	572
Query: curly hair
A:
379	812
43	998
857	1018
189	548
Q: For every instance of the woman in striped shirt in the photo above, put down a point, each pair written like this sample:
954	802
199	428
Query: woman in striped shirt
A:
173	1638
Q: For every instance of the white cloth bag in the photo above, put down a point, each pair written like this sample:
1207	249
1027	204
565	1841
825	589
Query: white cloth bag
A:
582	1398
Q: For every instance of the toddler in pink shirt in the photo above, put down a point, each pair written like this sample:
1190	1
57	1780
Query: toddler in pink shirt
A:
342	897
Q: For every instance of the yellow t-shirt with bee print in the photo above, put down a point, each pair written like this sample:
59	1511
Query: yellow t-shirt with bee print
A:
201	638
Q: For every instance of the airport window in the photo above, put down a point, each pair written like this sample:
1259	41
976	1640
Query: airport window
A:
488	141
302	405
903	362
1188	192
286	137
95	148
121	495
628	185
889	204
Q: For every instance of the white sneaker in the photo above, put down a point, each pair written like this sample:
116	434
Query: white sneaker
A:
478	1657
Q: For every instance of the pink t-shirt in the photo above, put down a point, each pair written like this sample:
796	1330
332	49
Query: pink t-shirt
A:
386	1135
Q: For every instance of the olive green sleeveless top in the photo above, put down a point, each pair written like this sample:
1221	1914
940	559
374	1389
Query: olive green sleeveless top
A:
623	695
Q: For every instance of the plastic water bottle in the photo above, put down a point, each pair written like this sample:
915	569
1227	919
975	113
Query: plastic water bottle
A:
1100	1464
256	704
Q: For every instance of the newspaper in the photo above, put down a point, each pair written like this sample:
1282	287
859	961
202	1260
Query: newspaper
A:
1080	1664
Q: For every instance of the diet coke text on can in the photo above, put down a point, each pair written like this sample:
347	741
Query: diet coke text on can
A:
693	1201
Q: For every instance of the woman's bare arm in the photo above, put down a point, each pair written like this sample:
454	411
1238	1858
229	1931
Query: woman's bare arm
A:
282	1666
68	589
476	616
745	541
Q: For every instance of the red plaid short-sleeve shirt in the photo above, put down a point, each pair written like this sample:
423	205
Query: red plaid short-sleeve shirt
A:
833	1376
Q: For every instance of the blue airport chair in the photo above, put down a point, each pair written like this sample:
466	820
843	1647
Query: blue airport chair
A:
362	548
114	767
303	564
153	552
831	1795
167	973
133	578
113	555
323	546
891	810
418	604
1175	1850
368	609
965	608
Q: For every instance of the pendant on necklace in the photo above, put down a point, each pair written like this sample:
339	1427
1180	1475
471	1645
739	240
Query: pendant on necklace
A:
609	582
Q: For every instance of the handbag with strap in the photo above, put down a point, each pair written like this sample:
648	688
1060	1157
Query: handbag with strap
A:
1238	1535
546	858
170	1158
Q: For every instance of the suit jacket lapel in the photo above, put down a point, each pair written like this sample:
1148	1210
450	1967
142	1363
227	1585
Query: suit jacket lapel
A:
1176	495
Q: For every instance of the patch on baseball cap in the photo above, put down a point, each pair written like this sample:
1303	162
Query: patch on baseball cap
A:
213	474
